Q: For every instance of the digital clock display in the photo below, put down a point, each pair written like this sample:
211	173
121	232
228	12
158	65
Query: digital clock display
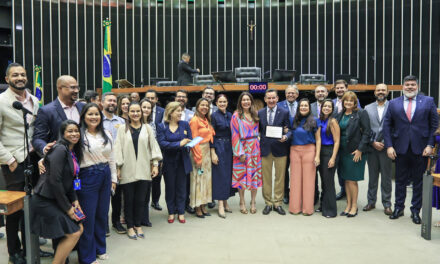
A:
257	87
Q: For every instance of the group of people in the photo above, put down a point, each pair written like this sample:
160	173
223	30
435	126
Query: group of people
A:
115	150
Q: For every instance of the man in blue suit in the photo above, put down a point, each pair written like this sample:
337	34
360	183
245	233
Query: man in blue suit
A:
50	116
157	113
290	104
409	126
274	151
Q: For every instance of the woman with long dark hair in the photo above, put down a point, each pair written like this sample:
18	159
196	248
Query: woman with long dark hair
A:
304	158
98	178
330	137
222	156
135	149
54	201
246	170
123	102
201	177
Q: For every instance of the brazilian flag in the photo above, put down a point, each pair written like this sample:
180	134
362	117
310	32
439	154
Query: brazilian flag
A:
38	89
107	66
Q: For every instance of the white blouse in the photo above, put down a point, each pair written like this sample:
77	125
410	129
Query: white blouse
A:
96	152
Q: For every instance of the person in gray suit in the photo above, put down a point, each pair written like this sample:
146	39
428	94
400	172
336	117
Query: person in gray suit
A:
182	98
378	161
208	93
321	94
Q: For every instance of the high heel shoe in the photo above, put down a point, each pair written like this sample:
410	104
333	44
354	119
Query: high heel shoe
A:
352	215
243	211
141	235
182	221
134	237
343	213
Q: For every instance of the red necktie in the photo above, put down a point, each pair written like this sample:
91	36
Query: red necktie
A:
408	110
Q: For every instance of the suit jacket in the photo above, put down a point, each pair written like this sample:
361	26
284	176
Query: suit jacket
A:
170	148
47	124
12	128
336	108
159	115
314	109
376	125
273	145
285	104
399	133
184	72
358	131
136	168
57	182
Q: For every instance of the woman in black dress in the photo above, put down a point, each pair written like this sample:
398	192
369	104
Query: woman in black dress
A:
55	201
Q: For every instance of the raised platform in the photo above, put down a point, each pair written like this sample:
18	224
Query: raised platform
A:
237	87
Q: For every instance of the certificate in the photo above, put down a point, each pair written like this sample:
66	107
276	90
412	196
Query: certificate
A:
274	132
194	142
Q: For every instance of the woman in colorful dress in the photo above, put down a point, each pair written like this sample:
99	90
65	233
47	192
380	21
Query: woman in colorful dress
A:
222	156
246	170
201	177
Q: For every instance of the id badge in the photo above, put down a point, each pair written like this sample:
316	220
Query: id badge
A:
77	184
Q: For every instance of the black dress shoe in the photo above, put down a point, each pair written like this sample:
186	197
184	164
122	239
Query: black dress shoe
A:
206	214
190	210
368	207
318	210
147	224
211	205
279	210
200	216
286	200
396	214
156	206
416	218
45	254
17	258
119	228
340	195
267	209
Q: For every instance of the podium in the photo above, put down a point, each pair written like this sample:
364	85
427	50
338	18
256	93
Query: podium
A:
11	202
429	180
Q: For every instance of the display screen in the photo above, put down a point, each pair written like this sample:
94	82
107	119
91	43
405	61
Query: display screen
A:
257	87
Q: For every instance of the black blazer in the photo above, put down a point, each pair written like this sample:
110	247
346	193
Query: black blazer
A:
57	182
184	73
358	131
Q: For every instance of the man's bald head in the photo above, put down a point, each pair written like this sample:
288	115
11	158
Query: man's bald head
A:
68	89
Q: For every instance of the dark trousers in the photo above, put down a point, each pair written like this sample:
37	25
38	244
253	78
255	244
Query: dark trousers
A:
155	189
409	167
378	162
94	199
287	179
134	201
341	181
328	194
116	205
146	211
175	189
188	186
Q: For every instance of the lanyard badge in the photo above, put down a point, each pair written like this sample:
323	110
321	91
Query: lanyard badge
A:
76	181
77	184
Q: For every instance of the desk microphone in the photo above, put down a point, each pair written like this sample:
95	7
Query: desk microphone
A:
19	106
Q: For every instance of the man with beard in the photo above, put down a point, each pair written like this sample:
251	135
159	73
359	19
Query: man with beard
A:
378	161
321	94
184	71
111	123
291	105
13	152
182	98
409	126
51	116
157	116
208	93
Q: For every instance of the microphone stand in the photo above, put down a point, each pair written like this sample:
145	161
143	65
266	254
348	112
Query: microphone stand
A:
32	243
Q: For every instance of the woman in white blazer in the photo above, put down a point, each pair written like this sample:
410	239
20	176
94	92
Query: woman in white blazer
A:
137	156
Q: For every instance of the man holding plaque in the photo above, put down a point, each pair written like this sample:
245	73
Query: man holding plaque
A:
274	150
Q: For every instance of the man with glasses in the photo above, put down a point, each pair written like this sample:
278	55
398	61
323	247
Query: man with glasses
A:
51	116
208	93
182	98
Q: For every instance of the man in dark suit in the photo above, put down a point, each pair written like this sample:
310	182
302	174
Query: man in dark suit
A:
184	71
157	113
290	104
51	116
409	127
273	151
378	161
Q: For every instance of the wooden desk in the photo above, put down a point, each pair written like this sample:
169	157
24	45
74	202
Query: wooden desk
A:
237	87
11	202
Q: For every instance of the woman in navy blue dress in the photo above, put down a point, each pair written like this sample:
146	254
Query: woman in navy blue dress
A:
173	134
222	156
